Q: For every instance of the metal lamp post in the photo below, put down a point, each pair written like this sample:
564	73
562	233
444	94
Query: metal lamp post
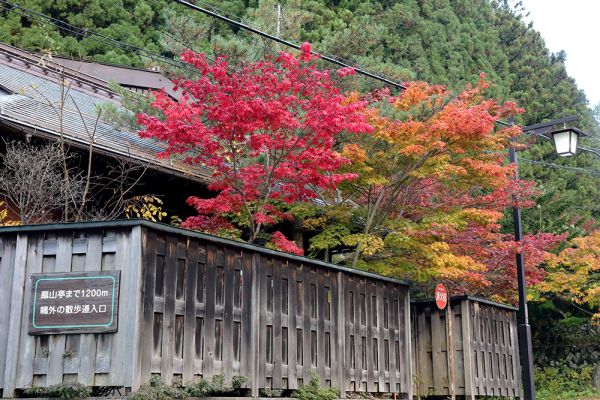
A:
565	141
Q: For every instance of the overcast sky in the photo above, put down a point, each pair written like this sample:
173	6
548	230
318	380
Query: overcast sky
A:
572	26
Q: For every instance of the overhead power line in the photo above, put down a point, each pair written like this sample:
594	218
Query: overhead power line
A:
558	166
287	43
256	26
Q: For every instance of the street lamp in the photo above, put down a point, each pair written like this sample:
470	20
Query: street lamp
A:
565	141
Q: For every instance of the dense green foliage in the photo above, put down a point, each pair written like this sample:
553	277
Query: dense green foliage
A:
559	381
157	389
313	391
60	391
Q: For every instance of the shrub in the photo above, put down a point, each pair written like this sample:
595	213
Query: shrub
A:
216	386
268	392
158	390
61	391
313	391
559	381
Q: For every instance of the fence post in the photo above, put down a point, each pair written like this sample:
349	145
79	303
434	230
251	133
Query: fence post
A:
341	334
133	303
407	337
254	327
16	313
467	353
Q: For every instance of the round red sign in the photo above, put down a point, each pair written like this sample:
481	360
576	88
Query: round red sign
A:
441	296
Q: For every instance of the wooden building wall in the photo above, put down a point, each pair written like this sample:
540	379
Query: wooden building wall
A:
192	305
486	355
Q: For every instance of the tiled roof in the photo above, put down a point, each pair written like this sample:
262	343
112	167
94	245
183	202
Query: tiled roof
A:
32	98
139	80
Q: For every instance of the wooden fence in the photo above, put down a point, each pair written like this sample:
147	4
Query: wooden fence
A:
484	338
193	305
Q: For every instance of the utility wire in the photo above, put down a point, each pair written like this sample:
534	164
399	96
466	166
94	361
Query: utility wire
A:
256	26
286	42
558	166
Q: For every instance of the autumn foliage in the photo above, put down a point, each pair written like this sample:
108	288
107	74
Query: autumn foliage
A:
266	130
575	273
433	184
413	185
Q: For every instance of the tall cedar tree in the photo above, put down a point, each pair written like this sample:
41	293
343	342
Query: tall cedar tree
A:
266	130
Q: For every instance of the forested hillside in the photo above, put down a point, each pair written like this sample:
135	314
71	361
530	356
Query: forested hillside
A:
449	42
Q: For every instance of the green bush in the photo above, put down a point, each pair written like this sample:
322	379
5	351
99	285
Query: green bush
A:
215	387
560	381
313	391
158	390
61	391
268	392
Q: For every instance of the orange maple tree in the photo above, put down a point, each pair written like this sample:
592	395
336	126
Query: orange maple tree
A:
575	273
433	184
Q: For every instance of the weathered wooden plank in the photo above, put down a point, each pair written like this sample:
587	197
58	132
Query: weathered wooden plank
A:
15	314
498	375
292	326
372	356
43	342
467	350
266	277
168	328
27	350
392	331
485	350
478	340
438	346
255	320
246	328
7	269
381	338
148	275
348	355
133	306
113	347
505	354
360	330
459	374
119	352
277	327
227	355
209	316
338	360
404	302
516	365
87	343
57	342
321	305
189	335
306	328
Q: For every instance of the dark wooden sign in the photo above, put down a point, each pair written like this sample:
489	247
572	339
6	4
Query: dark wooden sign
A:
74	302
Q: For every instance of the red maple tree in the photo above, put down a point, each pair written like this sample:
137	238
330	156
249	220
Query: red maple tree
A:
267	131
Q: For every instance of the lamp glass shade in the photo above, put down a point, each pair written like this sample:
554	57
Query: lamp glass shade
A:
565	142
